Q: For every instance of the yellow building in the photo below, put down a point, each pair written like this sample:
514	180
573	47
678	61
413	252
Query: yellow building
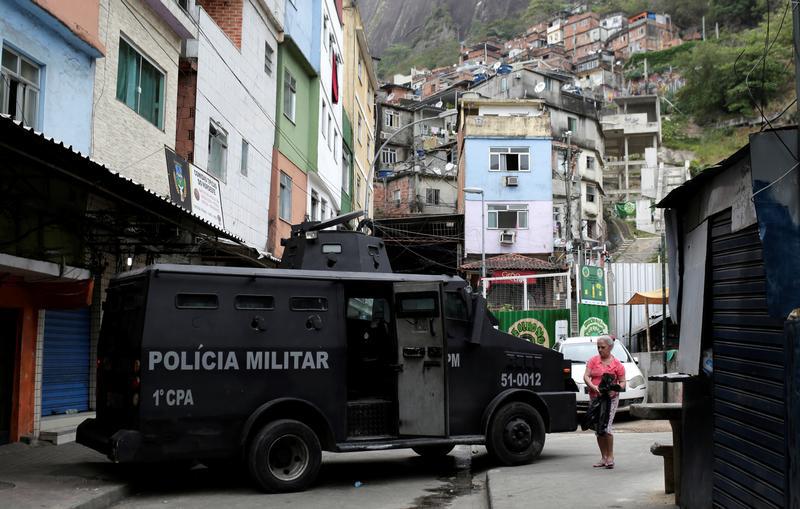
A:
360	84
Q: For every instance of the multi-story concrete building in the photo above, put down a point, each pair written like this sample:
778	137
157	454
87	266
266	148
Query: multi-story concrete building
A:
49	50
135	97
614	22
575	129
505	149
483	53
226	110
297	119
555	30
361	85
325	184
577	33
648	31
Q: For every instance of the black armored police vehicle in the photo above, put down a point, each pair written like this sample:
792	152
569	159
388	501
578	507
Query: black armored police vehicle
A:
273	366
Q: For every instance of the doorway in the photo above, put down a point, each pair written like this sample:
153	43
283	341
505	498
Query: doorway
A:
9	337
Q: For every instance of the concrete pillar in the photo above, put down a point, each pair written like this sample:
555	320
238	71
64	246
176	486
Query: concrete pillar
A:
627	175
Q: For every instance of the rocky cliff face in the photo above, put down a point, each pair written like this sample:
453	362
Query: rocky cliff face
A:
391	21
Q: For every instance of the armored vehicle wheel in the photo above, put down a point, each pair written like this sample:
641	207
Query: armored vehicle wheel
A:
433	451
284	456
516	434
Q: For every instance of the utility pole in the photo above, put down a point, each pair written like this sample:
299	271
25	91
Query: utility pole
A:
663	287
704	28
568	186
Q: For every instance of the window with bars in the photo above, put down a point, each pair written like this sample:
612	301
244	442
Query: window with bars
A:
432	196
389	156
507	217
140	85
19	88
509	159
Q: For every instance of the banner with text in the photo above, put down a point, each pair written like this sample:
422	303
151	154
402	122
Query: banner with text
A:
593	285
194	190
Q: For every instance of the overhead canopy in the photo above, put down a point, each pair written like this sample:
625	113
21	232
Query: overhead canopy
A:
652	297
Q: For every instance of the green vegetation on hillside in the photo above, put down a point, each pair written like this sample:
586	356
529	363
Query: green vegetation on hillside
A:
400	58
710	145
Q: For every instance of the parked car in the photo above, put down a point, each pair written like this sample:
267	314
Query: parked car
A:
580	349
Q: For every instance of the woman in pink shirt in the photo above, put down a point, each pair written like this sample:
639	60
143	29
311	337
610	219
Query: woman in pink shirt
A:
597	366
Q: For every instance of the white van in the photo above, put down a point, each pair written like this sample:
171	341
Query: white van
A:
580	349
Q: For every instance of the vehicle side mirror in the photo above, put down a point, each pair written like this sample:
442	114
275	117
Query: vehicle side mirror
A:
636	360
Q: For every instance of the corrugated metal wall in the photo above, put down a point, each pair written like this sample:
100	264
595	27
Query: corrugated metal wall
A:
749	353
66	361
624	279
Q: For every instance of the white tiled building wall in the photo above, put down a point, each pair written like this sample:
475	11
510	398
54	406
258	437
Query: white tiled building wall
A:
328	180
121	139
37	393
235	92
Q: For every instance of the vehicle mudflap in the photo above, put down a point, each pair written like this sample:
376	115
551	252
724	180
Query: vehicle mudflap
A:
563	410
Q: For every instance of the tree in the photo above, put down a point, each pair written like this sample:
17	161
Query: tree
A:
738	13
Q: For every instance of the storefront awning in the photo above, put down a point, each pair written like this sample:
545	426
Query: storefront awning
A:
652	297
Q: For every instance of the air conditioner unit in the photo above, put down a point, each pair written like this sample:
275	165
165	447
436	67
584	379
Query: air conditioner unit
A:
385	136
507	237
512	181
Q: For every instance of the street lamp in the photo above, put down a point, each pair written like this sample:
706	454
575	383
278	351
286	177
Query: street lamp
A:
478	190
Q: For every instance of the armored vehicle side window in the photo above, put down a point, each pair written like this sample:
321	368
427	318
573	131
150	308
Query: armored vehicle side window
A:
331	248
417	304
454	307
360	308
249	302
308	304
196	301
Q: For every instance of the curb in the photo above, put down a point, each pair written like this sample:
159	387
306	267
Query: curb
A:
107	499
489	487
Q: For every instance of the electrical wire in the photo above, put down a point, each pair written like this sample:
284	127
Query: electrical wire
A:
787	172
767	47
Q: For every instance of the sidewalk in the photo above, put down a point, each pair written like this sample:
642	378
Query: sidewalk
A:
66	476
563	475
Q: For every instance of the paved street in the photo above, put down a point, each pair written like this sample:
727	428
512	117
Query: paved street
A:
400	479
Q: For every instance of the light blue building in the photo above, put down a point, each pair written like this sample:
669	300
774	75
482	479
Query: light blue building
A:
48	71
303	25
507	153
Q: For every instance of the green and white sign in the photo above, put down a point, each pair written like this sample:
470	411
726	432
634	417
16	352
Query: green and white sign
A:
537	326
593	320
625	209
593	285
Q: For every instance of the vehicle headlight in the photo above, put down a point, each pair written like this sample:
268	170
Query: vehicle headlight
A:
636	381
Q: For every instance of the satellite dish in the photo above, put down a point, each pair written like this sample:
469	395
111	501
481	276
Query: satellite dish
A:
539	88
439	104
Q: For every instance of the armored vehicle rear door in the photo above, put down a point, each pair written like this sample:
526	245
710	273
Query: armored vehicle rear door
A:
421	383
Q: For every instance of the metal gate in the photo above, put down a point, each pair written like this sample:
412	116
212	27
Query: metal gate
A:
750	462
66	362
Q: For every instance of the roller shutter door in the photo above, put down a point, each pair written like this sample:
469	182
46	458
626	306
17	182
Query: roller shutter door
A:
65	362
750	468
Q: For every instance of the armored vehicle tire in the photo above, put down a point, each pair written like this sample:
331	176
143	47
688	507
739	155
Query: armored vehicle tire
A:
433	451
516	434
284	456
